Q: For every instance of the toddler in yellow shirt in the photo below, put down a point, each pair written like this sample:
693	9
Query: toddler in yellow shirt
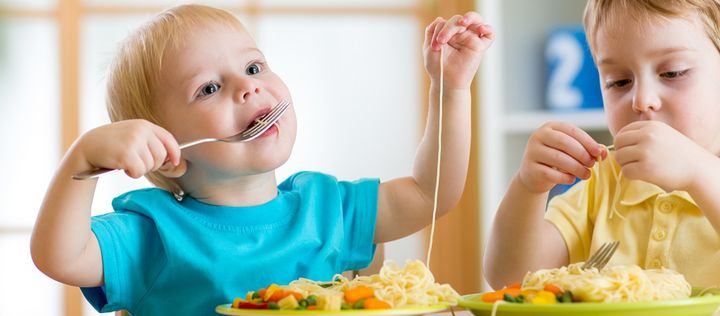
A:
658	192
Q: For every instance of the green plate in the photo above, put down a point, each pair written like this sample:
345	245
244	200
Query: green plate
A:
693	306
226	309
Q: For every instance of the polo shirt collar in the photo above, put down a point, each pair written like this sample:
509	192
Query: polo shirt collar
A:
634	192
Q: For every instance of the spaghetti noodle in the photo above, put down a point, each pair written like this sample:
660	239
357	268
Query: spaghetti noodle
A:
612	284
413	285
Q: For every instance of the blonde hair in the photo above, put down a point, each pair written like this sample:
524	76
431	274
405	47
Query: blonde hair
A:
615	12
135	72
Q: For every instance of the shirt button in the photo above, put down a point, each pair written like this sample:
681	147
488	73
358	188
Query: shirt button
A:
666	207
656	264
659	235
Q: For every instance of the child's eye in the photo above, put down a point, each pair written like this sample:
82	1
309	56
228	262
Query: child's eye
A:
253	69
617	83
674	74
208	89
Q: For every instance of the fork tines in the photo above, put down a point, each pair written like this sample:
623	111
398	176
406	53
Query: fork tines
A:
268	118
601	256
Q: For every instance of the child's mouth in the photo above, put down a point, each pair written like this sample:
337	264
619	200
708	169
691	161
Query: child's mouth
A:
258	120
275	128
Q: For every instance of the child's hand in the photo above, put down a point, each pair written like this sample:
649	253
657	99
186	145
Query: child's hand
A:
654	152
467	37
557	153
136	146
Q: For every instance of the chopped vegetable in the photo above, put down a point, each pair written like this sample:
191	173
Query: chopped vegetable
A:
553	288
270	291
491	297
289	302
374	303
358	293
544	297
551	294
281	297
329	302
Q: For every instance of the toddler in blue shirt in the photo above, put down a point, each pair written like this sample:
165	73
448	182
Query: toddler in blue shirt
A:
218	224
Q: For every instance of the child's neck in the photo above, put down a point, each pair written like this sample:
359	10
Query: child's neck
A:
244	191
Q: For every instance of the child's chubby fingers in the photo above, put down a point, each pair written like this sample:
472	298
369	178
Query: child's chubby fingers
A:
434	44
158	155
167	147
576	142
135	164
553	175
539	176
476	24
626	144
562	162
450	28
430	32
565	138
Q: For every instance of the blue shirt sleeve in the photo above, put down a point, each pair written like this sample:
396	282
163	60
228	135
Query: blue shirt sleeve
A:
132	257
360	203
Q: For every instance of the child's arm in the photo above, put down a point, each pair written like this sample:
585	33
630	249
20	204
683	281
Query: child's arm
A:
63	246
521	239
405	205
654	152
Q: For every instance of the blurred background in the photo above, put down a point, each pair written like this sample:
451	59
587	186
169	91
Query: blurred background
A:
356	73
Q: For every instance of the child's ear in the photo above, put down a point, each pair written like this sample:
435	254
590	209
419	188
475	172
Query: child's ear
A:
171	171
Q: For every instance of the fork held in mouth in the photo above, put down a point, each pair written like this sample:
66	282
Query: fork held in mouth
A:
259	126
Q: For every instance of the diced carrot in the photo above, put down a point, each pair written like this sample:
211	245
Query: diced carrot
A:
262	292
312	307
358	293
276	296
515	285
491	297
514	292
373	303
297	295
528	293
553	288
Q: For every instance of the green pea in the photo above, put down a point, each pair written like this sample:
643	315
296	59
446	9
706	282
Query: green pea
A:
508	298
273	305
359	304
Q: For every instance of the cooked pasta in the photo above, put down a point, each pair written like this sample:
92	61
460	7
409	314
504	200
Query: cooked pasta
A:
413	285
612	284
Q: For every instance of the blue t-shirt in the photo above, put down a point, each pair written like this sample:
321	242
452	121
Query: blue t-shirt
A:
163	257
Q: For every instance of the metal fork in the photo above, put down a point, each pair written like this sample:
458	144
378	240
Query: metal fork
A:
602	256
260	125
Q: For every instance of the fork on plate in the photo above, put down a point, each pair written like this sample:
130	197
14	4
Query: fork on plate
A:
602	256
260	125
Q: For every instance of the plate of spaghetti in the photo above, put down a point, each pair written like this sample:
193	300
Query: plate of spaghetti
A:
617	290
410	290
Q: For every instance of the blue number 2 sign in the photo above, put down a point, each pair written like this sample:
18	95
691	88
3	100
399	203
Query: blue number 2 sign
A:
572	81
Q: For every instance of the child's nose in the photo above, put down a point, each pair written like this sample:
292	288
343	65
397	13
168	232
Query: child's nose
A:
645	99
245	90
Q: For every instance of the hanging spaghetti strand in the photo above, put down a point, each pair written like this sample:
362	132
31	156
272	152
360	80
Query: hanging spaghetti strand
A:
439	155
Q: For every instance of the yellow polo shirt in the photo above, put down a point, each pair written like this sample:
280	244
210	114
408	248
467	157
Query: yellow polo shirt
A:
655	228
